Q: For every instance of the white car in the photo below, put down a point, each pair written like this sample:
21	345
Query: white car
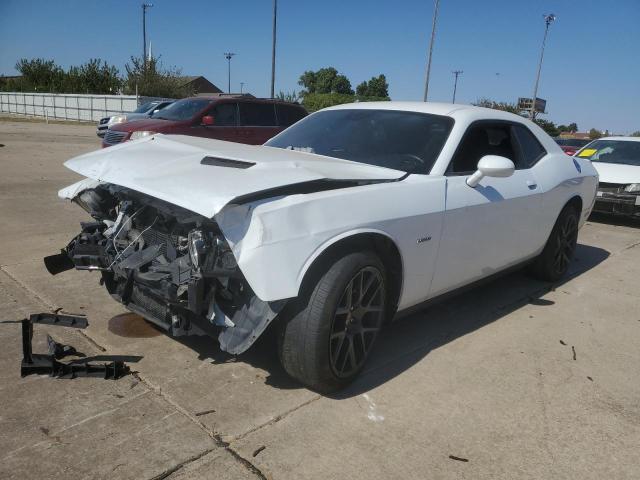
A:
617	161
351	216
144	111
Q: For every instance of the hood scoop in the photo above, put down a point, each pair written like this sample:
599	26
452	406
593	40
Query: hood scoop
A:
225	162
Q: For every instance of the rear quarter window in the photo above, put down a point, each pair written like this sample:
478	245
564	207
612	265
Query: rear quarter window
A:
257	114
530	148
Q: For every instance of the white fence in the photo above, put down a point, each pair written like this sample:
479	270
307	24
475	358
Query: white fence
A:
62	106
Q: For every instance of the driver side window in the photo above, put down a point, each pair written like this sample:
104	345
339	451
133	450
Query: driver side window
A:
485	138
225	114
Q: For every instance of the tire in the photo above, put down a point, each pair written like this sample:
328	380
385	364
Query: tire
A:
554	260
329	331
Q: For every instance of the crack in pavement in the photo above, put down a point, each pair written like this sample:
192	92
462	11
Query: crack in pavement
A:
276	419
220	443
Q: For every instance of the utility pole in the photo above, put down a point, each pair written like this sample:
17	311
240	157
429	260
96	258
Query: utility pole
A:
548	18
228	56
145	6
241	87
455	83
273	49
433	36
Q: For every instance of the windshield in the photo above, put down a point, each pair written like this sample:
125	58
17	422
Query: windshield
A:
407	141
183	109
626	152
145	107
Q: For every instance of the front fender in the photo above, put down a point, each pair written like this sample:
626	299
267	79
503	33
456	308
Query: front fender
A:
275	241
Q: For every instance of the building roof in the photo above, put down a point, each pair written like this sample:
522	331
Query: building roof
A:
199	84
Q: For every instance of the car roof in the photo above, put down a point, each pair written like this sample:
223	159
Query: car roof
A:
448	109
621	139
245	98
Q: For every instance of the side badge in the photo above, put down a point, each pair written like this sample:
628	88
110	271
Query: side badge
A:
423	239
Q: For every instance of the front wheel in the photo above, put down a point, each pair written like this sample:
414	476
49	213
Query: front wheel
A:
553	262
327	335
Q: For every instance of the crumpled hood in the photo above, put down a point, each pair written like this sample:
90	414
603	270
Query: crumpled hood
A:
168	167
617	173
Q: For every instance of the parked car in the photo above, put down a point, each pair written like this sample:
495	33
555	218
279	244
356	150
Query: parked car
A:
354	215
571	145
143	111
617	161
240	119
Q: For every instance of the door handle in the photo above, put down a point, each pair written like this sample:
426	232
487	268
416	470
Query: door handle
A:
532	185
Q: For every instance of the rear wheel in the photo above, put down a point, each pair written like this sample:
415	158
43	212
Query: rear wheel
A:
552	264
326	337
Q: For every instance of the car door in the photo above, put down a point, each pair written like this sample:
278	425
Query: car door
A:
225	123
494	225
257	122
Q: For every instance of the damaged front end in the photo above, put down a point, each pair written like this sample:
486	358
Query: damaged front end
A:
167	264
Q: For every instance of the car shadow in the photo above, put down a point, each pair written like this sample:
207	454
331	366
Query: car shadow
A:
406	341
615	220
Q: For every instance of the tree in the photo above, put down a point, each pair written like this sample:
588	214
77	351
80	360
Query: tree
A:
291	96
94	76
636	133
573	127
325	80
375	87
593	134
152	79
504	106
548	126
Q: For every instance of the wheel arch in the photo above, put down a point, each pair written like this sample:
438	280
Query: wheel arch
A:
381	243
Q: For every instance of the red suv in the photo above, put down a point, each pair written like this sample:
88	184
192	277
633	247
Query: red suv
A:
235	119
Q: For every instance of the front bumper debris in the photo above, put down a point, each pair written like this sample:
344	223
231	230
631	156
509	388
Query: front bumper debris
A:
612	199
48	364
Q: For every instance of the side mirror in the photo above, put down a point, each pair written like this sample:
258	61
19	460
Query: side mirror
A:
491	166
207	120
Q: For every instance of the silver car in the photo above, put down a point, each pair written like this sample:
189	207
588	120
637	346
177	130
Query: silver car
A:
143	111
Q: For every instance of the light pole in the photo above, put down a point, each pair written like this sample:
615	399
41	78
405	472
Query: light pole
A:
433	36
457	73
228	56
241	87
145	6
273	49
548	18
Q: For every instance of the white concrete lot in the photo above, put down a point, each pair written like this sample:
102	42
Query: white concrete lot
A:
488	376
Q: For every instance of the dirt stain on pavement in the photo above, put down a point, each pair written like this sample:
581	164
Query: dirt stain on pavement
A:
132	326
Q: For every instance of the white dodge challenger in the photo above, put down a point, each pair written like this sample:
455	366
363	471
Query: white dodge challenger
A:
354	215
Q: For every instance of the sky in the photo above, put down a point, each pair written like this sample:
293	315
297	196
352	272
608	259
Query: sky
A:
591	71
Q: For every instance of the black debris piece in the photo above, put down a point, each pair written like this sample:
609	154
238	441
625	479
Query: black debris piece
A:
573	349
453	457
591	379
41	364
59	350
205	412
258	450
562	342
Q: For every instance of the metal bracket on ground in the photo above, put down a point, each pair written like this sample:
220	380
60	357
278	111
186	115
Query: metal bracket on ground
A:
40	364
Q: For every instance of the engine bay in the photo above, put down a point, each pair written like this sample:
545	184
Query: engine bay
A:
167	264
